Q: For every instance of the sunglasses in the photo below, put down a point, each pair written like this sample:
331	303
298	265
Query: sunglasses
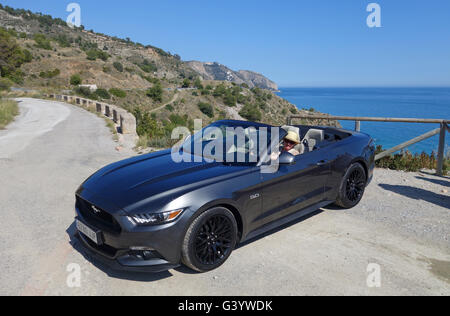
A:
288	142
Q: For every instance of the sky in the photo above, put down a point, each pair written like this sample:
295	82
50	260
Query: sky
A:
301	43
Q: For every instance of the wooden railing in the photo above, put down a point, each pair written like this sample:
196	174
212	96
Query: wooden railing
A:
444	127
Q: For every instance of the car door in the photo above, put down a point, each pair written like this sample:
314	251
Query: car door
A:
294	187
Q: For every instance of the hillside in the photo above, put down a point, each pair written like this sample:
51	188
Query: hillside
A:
163	91
216	71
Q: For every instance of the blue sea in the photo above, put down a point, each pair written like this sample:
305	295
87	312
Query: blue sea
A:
380	102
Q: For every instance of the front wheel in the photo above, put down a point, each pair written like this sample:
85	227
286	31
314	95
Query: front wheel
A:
352	186
209	240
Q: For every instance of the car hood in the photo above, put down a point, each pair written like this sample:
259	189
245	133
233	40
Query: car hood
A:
150	178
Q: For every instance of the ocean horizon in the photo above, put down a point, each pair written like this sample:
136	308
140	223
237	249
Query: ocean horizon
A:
399	102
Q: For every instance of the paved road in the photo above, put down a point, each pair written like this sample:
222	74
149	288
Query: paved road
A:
328	253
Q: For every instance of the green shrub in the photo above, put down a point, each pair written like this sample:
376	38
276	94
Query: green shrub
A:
206	109
103	94
242	99
251	113
5	84
229	99
118	66
75	80
8	110
198	84
118	92
150	79
219	90
146	125
12	57
50	74
16	76
27	56
155	92
86	92
42	41
409	162
186	83
93	54
63	40
169	107
147	66
244	85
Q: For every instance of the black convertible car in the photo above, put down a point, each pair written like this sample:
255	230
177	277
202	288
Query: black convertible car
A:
152	213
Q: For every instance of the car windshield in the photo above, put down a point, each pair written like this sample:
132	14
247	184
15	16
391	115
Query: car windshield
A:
230	142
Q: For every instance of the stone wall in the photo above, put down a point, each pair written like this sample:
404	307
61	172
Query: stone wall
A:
125	121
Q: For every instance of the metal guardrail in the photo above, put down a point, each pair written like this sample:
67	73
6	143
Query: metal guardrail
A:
444	127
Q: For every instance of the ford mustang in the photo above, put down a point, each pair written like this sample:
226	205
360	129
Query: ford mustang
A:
154	212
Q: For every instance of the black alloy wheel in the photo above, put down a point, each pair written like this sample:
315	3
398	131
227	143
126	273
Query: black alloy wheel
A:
213	241
355	185
352	186
210	240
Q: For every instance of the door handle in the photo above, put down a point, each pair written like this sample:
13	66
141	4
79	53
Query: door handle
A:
322	162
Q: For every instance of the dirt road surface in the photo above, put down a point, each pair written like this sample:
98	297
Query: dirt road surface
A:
401	228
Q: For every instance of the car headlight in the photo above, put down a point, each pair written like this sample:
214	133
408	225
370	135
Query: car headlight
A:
156	218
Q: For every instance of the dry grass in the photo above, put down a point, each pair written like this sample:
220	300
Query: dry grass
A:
8	110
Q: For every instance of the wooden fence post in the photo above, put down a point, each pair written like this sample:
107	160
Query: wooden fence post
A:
440	161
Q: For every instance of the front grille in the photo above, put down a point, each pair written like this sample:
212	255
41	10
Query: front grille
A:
97	217
104	249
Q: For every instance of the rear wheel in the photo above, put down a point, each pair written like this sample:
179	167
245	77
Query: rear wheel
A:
352	186
210	239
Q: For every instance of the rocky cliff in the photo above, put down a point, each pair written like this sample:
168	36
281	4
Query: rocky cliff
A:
216	71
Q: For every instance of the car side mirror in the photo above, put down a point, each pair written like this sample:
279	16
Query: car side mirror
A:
286	158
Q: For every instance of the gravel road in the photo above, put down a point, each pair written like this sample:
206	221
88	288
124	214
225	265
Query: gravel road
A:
401	227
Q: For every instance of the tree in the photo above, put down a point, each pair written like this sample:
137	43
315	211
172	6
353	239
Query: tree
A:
251	113
198	84
147	66
12	57
118	66
42	41
155	92
220	90
75	80
103	94
93	54
146	125
186	83
229	99
206	109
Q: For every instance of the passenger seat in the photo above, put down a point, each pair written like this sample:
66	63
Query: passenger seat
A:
314	137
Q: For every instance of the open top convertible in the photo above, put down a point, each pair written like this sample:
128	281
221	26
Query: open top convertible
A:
156	211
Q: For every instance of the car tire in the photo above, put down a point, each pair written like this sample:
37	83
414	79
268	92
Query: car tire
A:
210	240
352	186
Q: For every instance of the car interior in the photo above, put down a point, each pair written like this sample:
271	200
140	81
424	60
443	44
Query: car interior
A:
314	138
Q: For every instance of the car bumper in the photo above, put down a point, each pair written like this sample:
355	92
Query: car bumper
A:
135	248
126	262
